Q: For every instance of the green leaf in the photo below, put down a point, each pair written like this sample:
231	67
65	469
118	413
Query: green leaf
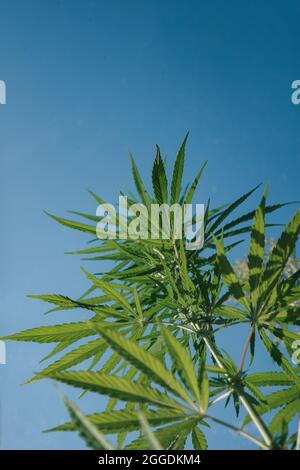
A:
73	224
89	251
109	290
92	436
65	303
145	362
159	179
204	387
279	358
55	333
194	185
278	258
178	172
285	336
180	441
198	439
115	387
183	266
249	216
125	421
275	400
271	379
286	414
57	349
72	358
230	209
96	197
257	248
183	363
138	304
227	311
56	299
229	276
84	215
139	184
252	346
166	436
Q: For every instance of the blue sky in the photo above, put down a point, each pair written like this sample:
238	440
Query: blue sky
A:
89	81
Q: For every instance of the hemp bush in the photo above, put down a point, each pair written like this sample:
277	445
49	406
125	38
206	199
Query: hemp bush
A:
155	320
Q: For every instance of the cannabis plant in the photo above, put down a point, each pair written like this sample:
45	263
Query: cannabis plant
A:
154	323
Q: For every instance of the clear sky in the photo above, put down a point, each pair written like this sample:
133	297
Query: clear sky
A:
87	82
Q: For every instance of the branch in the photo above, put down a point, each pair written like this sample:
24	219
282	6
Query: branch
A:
263	430
239	431
244	353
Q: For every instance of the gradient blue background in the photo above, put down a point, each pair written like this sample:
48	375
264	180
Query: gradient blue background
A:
87	82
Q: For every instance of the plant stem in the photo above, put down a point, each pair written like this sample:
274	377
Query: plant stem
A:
238	322
213	352
263	430
244	353
238	431
175	249
221	397
151	438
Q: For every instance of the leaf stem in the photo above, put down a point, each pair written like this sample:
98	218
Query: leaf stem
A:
239	431
244	353
263	430
221	397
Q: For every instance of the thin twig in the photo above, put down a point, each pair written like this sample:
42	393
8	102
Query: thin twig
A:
177	326
263	430
221	397
175	249
235	323
239	431
244	353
